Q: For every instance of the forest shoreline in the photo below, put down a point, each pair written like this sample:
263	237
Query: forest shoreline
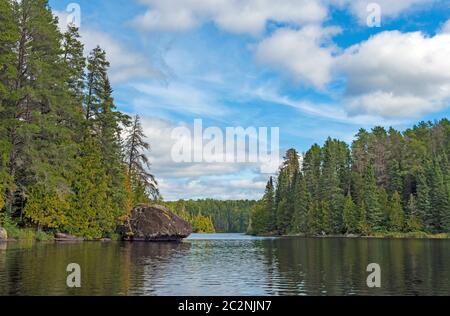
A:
390	235
29	235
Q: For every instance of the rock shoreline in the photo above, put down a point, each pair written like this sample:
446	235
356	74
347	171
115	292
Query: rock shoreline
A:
149	223
155	223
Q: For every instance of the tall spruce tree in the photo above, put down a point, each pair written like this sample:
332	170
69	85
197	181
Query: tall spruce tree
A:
414	222
302	201
350	215
371	200
138	165
396	213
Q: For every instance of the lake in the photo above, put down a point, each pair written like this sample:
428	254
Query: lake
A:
228	264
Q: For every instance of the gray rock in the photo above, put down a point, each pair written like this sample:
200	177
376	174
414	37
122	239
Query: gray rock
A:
66	237
155	223
3	234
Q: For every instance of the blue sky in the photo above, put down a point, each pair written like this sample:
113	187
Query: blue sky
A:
313	68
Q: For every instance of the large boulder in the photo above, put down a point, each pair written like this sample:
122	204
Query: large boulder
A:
3	234
155	223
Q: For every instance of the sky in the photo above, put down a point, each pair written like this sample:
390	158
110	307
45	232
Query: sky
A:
312	68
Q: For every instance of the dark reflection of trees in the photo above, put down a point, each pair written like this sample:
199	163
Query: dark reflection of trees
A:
106	268
337	266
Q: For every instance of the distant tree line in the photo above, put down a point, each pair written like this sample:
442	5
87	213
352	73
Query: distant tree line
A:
386	181
69	161
225	216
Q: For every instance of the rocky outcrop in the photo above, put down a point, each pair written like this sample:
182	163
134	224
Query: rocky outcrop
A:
66	237
155	223
3	234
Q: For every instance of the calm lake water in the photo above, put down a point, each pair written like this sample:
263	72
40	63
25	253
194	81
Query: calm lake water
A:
228	264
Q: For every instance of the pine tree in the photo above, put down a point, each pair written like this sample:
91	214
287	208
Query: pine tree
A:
283	216
363	225
412	167
383	199
302	200
39	137
9	34
350	215
258	219
312	170
270	212
396	213
395	177
313	217
439	198
75	63
97	68
284	193
413	222
423	201
374	212
331	190
138	165
263	214
325	218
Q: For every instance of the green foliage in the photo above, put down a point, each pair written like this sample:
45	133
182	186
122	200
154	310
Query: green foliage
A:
411	167
202	224
414	222
350	215
226	216
46	209
62	166
371	200
143	184
396	214
263	217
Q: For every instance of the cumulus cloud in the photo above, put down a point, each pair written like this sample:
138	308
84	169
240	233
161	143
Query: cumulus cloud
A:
396	74
307	53
252	16
237	16
197	180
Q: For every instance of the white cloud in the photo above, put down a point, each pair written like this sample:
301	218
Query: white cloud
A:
389	8
196	180
125	64
178	97
251	16
446	27
237	16
306	53
396	74
333	112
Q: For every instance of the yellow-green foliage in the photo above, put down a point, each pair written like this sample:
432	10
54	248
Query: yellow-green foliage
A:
47	208
92	209
202	224
2	198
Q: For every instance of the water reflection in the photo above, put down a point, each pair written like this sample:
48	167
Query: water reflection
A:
228	265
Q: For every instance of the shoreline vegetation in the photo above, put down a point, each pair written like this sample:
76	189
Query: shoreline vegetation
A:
387	235
71	163
214	216
387	183
31	235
